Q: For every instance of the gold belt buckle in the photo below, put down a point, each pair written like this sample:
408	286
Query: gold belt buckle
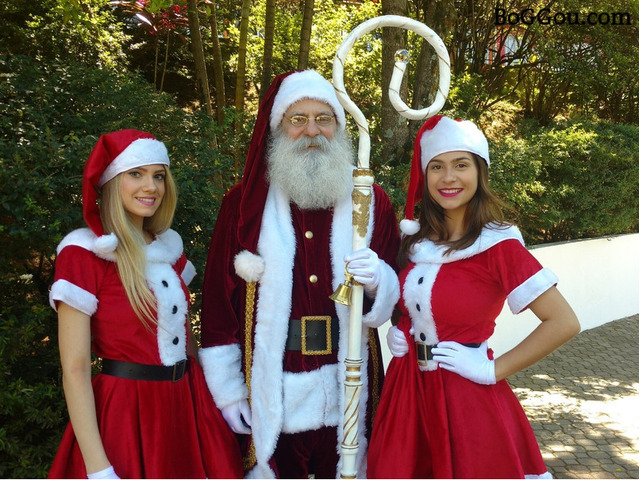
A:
421	353
303	334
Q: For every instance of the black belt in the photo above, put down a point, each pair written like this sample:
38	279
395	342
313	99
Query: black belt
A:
313	335
424	351
138	371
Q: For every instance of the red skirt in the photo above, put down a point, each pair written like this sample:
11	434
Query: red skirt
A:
156	429
437	424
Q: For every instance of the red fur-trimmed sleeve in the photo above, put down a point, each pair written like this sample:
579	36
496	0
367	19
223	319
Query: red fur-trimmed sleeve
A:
77	279
520	274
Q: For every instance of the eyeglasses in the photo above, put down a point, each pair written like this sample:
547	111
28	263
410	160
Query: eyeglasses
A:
323	120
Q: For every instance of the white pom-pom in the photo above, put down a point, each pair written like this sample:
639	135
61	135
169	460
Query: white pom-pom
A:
106	244
249	266
409	227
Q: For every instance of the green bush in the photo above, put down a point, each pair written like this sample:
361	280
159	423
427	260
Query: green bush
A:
573	180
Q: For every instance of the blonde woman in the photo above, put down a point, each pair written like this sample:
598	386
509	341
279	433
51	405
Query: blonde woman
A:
120	290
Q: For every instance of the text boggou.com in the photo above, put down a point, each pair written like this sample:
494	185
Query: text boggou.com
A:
528	16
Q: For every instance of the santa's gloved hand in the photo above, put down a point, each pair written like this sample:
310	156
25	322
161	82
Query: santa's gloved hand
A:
107	473
364	265
398	345
238	416
468	362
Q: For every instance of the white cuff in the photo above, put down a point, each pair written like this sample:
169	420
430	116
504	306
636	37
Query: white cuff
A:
223	373
108	472
386	297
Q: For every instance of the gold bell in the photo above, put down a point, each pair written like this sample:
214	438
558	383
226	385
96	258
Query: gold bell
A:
342	295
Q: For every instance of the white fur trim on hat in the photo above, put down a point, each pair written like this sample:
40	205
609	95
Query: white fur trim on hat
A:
144	151
106	244
450	135
306	85
409	227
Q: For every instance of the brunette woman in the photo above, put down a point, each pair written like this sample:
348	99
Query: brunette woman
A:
447	410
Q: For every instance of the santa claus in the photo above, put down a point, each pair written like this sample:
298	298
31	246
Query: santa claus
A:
273	342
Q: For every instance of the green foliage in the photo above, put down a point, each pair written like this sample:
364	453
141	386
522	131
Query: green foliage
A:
59	30
50	117
575	180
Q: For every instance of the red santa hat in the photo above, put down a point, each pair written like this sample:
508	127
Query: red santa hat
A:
115	153
438	135
284	91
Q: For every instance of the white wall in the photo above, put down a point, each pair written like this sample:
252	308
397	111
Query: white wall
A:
598	277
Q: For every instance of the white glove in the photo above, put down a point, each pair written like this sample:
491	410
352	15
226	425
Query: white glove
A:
365	268
397	342
238	416
468	362
108	472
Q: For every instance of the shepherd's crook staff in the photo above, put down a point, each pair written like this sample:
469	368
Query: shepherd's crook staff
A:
361	198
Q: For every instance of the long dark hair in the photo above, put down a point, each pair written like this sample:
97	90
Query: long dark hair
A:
485	207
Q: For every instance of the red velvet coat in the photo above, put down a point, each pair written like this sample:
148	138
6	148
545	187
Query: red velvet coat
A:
298	263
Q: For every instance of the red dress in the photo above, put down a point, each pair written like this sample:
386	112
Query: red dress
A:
433	423
150	429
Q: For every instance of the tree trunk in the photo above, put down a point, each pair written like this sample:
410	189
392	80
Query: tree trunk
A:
166	60
218	69
305	35
269	28
198	56
395	130
242	58
426	78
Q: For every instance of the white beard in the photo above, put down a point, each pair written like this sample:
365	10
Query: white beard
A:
315	178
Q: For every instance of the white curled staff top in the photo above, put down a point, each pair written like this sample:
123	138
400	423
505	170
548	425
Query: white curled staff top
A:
402	58
352	464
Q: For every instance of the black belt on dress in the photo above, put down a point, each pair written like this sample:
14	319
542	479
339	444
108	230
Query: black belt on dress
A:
313	335
424	351
138	371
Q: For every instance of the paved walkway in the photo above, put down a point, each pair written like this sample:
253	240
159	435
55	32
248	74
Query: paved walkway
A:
583	403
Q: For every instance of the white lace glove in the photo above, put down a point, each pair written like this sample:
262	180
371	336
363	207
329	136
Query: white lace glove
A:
238	416
397	342
468	362
108	472
364	265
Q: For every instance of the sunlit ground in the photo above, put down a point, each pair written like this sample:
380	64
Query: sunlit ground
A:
583	403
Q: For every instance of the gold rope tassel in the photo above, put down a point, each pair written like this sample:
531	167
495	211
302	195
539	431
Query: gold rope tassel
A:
250	457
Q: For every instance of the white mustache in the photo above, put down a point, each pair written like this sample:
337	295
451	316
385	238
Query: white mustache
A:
303	143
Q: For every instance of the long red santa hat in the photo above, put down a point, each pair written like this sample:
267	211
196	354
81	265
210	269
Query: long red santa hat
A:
113	154
285	90
438	135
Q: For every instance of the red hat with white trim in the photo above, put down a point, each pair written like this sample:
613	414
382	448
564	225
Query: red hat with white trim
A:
438	135
113	154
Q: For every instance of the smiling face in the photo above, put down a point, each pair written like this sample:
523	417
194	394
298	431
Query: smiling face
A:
452	181
143	189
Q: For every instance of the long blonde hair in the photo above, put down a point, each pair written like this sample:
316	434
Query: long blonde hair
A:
130	255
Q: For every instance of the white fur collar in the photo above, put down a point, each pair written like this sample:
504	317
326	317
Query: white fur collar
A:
426	251
166	248
276	247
